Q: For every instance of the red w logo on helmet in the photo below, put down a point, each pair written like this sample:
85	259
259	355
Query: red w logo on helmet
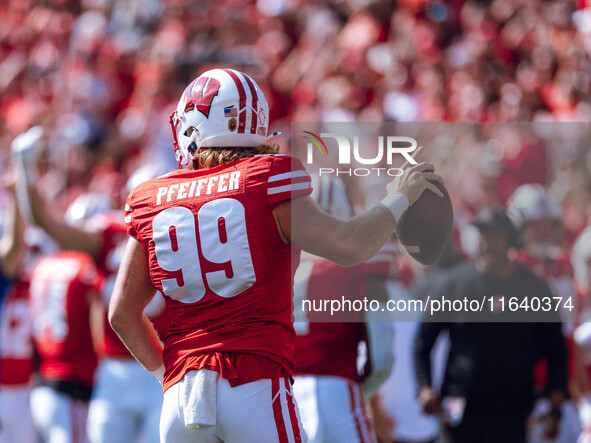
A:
200	94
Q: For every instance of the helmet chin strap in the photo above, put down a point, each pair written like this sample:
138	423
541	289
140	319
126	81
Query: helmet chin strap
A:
179	158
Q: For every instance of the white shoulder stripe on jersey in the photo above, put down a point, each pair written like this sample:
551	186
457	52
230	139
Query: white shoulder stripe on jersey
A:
269	155
128	219
128	208
288	188
287	175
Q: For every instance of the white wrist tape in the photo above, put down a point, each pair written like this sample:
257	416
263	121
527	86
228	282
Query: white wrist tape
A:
159	373
396	203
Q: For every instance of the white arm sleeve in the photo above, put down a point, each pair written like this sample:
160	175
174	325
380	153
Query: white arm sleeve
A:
24	151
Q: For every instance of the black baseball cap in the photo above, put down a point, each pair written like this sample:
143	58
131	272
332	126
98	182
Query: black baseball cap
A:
495	217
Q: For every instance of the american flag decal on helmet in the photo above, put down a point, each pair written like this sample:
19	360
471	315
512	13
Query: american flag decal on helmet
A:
230	112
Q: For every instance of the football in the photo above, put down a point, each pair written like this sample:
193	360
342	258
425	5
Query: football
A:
425	227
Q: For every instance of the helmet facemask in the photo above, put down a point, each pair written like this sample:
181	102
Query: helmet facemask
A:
185	139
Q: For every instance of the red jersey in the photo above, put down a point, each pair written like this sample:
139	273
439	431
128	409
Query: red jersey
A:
16	343
110	225
331	348
215	251
61	286
559	275
327	348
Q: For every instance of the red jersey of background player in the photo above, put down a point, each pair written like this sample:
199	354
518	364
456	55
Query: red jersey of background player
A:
61	287
327	348
331	348
559	275
110	226
16	345
214	249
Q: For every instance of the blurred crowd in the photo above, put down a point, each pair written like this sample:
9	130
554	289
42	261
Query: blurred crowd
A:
103	76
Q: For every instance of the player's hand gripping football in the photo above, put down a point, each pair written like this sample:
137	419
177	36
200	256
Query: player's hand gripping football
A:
406	189
423	212
415	180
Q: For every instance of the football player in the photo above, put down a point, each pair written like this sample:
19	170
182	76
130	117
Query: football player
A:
581	261
126	401
329	390
538	217
16	365
64	287
219	240
16	347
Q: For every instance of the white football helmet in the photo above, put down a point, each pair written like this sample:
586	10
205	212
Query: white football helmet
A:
532	202
220	108
537	216
331	195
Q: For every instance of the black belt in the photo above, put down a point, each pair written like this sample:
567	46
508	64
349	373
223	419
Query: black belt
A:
74	389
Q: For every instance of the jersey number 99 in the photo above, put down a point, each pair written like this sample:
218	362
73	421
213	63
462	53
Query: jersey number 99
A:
217	246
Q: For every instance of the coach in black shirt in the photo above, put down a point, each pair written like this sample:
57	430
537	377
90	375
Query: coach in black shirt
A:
492	356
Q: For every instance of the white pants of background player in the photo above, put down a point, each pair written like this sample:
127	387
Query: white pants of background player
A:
332	409
58	417
16	424
263	411
125	404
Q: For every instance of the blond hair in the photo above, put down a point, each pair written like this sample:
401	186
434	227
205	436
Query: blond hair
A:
210	157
